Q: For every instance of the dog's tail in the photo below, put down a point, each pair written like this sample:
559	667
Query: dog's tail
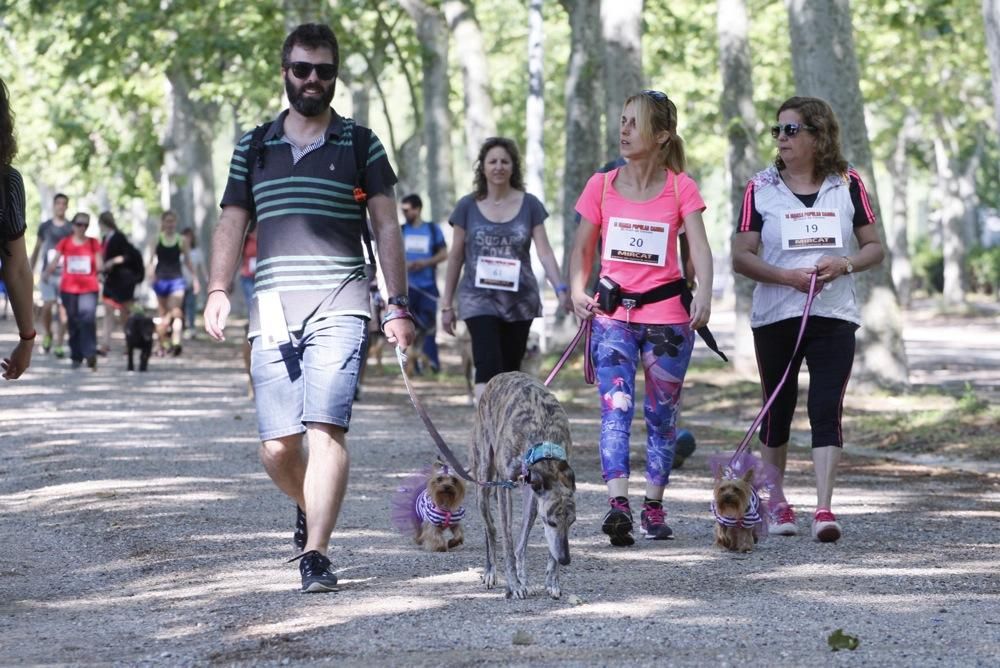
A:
404	502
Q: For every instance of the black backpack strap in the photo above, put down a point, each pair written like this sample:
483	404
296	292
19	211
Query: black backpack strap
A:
361	138
255	157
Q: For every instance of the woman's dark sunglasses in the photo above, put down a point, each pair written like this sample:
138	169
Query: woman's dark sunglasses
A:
790	129
324	71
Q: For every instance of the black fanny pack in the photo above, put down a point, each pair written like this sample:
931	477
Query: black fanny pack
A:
610	296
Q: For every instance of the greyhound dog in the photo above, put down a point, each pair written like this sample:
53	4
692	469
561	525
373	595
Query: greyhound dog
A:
522	434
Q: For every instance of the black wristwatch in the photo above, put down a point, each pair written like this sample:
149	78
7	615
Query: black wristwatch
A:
402	301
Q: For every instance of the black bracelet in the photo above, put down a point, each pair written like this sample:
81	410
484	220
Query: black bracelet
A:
395	314
223	290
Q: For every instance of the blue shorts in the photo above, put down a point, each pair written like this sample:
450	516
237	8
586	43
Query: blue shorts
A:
164	287
311	378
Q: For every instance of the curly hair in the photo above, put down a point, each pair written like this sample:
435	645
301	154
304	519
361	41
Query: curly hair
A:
479	177
8	144
655	113
818	114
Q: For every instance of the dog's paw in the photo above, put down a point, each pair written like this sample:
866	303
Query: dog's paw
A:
555	591
519	592
490	578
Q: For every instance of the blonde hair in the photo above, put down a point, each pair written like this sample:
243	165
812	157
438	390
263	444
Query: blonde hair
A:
654	113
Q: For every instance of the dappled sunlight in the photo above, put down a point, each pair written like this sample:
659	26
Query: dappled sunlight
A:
101	494
368	606
640	607
828	570
898	604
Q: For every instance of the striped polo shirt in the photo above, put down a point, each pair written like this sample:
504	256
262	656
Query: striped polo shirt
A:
309	246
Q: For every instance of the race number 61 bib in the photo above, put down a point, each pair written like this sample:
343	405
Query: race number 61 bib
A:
78	264
811	229
498	273
636	241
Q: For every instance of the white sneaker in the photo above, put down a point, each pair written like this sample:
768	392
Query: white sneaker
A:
825	527
783	521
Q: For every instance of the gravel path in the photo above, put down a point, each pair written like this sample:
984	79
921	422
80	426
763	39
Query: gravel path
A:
137	526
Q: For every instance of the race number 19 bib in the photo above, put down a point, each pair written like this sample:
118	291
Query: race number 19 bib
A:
811	229
77	264
498	273
636	241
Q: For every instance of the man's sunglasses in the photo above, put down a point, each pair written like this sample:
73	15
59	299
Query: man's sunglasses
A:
301	70
790	129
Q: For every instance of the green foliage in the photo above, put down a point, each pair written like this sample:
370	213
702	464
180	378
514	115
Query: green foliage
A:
984	269
839	640
928	266
971	403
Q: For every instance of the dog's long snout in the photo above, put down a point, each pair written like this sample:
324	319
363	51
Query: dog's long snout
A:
563	556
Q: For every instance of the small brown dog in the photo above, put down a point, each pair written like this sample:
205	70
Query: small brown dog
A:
736	507
439	509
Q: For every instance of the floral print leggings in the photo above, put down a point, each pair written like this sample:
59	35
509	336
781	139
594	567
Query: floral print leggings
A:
665	351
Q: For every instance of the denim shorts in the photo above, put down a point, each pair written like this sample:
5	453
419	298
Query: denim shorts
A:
49	287
164	287
311	378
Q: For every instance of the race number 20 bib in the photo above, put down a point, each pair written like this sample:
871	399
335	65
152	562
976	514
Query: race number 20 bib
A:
811	229
636	241
77	264
498	273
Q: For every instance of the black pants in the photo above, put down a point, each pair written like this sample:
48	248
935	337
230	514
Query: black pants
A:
828	349
81	321
497	345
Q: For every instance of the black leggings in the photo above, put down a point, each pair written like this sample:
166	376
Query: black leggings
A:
497	345
828	349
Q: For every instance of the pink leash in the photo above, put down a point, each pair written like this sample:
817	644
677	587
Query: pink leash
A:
745	443
586	327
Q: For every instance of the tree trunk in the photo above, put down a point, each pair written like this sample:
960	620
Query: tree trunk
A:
739	118
479	122
991	21
534	150
951	215
432	32
824	64
188	178
621	23
899	245
583	111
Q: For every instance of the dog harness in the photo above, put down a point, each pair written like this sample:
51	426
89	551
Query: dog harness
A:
750	518
439	517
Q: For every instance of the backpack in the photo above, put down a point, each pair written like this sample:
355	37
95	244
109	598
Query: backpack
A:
360	137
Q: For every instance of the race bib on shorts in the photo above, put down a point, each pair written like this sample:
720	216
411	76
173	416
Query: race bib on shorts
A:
417	243
273	328
77	264
252	264
498	273
811	229
636	241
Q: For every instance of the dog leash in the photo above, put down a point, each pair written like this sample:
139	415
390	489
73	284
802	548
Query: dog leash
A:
436	435
586	328
745	443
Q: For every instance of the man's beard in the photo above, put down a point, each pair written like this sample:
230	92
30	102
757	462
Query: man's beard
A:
306	105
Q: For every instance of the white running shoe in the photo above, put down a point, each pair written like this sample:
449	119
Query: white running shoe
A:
825	527
783	521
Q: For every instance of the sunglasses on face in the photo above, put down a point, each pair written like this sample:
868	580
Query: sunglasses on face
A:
302	70
655	95
790	129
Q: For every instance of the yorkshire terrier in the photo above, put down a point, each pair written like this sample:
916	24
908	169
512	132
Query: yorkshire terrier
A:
737	509
430	506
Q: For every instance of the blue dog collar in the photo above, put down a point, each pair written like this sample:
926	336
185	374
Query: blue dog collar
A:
543	450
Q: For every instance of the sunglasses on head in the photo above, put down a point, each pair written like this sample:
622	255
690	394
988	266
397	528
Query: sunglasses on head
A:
302	70
790	129
655	95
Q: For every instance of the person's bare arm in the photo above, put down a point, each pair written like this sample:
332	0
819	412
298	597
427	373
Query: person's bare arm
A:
392	260
456	258
747	262
17	275
581	260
